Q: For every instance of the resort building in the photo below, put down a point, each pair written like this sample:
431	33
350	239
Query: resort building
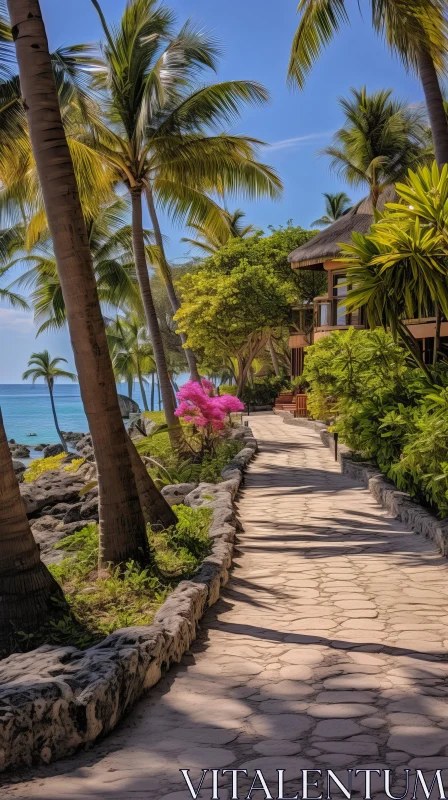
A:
326	314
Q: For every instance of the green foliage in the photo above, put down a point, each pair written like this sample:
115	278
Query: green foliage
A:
103	602
41	465
228	389
384	409
263	391
212	465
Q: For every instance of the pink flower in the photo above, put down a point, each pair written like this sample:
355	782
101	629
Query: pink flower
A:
208	387
229	404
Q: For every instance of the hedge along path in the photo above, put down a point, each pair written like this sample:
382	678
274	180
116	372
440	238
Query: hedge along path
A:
326	649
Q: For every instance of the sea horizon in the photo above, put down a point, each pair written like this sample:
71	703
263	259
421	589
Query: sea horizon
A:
27	414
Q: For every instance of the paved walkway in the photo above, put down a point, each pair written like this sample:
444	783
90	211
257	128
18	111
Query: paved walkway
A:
326	649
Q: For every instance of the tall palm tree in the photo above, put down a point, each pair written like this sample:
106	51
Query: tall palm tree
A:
28	588
415	30
381	139
159	138
209	242
41	365
122	524
336	205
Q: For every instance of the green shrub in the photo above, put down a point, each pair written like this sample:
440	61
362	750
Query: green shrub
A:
212	465
264	391
228	389
41	465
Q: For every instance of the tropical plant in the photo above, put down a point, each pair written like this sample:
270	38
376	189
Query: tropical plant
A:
30	596
131	350
110	240
157	137
122	526
416	31
400	270
336	205
41	365
381	139
208	242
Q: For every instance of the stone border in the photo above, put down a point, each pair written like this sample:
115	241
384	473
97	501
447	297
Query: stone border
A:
54	700
399	504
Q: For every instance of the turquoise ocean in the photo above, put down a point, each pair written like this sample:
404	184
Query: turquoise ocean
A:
26	410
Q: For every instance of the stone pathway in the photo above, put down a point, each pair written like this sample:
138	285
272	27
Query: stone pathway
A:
326	650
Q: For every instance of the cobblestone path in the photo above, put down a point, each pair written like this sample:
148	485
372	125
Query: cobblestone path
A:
326	650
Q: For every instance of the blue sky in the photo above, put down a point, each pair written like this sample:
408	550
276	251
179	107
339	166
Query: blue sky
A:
256	36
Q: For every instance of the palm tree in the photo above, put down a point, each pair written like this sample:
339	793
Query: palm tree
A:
381	139
122	525
159	139
131	351
336	205
415	30
208	242
28	588
43	366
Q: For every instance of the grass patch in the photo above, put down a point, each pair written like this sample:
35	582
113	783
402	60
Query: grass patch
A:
103	602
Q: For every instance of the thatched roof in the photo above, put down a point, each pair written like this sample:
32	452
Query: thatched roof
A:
325	247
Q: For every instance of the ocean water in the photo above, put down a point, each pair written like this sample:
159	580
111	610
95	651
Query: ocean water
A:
26	409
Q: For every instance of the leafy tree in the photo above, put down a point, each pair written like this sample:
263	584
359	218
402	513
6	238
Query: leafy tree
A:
380	140
131	351
416	31
336	205
230	315
208	242
41	365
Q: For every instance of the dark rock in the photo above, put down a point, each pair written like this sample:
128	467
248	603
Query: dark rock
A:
60	509
56	486
19	450
69	458
74	527
12	441
175	494
18	467
85	446
89	510
72	436
53	450
127	406
73	514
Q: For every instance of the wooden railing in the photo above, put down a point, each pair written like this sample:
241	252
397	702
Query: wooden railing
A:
301	406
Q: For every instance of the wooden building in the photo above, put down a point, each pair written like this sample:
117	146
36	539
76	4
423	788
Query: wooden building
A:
327	314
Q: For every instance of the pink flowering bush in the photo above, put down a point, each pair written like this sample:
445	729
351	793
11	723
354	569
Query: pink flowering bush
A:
199	406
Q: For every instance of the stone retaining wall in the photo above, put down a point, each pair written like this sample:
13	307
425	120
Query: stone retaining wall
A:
399	504
54	700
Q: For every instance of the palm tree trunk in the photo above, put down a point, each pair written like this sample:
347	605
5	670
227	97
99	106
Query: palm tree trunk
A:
122	526
434	104
274	357
56	423
175	430
152	391
437	334
142	389
130	387
27	588
156	510
159	397
172	296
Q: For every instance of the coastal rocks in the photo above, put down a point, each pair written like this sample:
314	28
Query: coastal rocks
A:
127	406
50	489
73	514
89	510
85	447
175	494
53	450
19	450
18	467
72	436
41	446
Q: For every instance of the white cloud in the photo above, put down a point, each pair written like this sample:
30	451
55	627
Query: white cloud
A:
297	141
17	322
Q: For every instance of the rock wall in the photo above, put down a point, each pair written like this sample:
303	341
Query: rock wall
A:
54	700
399	504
